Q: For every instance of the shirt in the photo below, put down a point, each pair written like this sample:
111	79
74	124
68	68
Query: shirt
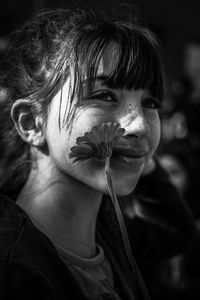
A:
93	275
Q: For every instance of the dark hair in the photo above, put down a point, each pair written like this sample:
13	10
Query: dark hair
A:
39	60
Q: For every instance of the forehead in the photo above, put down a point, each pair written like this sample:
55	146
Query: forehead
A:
108	60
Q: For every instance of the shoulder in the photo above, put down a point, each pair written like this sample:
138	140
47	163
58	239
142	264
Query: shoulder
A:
17	272
11	226
21	242
18	283
29	264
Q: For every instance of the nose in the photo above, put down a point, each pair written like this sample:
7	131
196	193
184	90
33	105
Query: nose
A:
136	125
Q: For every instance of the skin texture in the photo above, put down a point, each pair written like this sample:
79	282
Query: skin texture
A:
64	197
133	110
129	109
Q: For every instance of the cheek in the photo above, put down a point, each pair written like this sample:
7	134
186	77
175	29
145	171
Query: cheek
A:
155	131
85	119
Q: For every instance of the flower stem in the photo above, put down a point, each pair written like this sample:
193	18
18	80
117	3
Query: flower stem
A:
123	230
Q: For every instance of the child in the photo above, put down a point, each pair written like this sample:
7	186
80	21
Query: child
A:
67	72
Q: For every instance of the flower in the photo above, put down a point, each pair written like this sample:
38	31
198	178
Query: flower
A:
98	143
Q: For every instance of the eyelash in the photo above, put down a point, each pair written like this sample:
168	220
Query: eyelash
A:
102	95
151	103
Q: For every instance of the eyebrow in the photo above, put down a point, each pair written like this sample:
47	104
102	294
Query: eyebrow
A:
102	77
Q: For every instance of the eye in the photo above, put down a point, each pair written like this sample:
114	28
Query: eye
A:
152	103
106	96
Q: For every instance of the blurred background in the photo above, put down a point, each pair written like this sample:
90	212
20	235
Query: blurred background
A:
177	25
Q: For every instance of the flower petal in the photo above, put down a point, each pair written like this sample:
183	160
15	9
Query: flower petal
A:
78	151
92	137
97	143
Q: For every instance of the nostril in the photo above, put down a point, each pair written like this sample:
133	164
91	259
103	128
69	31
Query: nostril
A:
138	131
131	135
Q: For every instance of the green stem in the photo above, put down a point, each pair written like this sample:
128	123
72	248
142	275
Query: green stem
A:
123	230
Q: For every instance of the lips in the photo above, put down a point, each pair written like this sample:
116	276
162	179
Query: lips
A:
130	153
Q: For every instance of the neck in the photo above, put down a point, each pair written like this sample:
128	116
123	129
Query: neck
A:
64	209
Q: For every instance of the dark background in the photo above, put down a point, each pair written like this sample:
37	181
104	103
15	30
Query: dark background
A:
175	21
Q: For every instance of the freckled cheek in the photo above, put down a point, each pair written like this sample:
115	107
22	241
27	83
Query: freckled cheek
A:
86	119
82	123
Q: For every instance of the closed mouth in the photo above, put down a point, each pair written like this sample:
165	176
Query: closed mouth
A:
132	153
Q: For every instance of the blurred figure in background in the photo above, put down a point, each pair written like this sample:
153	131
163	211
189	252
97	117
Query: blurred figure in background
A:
180	156
182	122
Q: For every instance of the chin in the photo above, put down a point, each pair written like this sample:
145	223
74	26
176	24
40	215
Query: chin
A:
124	191
124	188
123	184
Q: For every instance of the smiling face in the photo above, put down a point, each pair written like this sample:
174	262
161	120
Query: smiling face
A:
135	110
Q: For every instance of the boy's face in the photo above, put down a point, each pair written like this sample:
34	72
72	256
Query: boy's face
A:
135	110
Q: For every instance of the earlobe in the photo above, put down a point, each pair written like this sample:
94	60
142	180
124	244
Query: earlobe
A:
29	126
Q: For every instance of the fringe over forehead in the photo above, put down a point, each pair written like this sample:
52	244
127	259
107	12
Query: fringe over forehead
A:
55	45
137	64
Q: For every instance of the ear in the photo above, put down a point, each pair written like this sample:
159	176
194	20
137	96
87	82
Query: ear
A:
29	126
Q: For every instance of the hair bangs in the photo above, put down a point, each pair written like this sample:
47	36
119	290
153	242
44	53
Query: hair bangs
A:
87	51
137	64
90	52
